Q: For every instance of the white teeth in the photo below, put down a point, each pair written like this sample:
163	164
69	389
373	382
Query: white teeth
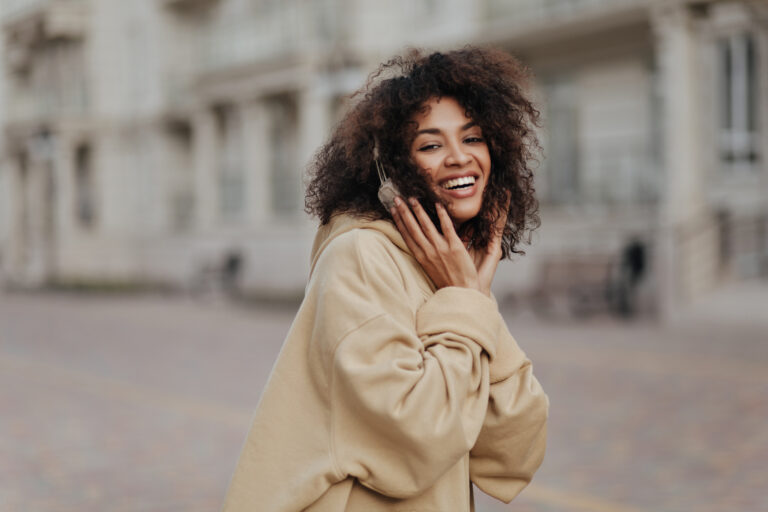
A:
458	182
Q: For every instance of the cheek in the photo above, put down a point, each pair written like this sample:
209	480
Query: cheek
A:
486	159
424	165
421	160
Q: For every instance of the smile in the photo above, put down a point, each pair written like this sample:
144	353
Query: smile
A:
459	183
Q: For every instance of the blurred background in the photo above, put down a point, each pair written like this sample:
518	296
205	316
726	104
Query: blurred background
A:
159	146
162	143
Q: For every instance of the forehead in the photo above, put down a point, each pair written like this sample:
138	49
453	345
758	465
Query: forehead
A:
441	112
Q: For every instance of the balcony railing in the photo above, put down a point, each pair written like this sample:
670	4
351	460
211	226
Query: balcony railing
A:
14	8
26	22
521	12
249	39
27	108
53	86
284	29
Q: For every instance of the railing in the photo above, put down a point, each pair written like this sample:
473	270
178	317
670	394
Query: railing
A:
520	12
744	244
28	107
284	29
13	8
248	39
56	85
612	173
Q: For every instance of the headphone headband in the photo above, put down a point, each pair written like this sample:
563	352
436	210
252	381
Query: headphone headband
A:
377	161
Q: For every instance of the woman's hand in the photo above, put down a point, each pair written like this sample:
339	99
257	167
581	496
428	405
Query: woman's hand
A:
443	257
487	260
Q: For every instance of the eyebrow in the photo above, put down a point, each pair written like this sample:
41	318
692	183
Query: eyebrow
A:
437	131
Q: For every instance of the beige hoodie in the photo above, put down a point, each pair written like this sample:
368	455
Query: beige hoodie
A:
389	395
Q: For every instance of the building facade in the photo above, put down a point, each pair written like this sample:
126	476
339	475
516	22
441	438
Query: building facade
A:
164	141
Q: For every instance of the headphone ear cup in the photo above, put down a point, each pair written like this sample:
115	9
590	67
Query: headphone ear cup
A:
387	194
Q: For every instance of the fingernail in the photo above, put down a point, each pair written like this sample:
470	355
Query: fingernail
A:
392	211
398	202
413	201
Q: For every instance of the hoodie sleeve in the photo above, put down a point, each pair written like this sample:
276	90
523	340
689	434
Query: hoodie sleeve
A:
511	444
409	391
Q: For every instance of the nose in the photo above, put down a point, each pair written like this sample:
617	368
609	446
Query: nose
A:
457	156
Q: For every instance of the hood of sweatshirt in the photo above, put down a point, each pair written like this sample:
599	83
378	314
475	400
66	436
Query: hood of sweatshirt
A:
343	222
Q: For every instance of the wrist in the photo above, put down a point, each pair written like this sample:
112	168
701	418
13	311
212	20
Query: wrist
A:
475	285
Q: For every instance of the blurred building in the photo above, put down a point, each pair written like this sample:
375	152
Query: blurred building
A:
163	141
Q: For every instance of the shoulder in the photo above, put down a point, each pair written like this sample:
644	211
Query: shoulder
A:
365	252
358	276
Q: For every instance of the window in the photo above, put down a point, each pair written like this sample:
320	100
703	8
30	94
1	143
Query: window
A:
85	211
231	168
285	178
739	145
182	191
562	153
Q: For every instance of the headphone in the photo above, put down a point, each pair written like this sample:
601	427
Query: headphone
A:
387	190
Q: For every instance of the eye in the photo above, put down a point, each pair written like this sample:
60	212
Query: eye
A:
474	140
429	147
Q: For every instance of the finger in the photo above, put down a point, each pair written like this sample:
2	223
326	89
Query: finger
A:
494	245
447	225
410	223
491	258
417	252
486	274
501	221
427	226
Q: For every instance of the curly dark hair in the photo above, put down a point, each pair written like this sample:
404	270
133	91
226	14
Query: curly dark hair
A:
489	84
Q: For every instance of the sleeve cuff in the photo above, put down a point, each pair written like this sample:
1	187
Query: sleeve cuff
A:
464	311
509	358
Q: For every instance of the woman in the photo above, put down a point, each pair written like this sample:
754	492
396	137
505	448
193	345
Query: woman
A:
399	384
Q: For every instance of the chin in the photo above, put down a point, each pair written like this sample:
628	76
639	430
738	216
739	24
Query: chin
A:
462	215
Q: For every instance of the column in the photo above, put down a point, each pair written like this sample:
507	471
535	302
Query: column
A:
14	254
36	265
64	172
684	247
762	101
204	150
314	123
255	116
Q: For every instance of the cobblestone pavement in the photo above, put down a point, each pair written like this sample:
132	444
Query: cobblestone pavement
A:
141	404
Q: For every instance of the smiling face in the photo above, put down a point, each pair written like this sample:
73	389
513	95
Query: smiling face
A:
451	149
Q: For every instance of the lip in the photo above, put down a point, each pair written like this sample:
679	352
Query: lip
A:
460	193
475	174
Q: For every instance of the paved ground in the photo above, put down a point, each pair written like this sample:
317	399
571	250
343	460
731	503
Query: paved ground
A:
141	404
